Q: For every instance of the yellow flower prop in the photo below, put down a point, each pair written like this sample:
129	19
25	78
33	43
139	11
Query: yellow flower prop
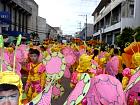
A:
125	82
10	49
136	59
89	50
134	50
31	45
55	48
84	63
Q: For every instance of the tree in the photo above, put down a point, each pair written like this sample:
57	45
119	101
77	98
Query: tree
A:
125	37
137	36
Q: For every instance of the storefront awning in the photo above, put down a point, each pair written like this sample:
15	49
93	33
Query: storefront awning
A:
15	33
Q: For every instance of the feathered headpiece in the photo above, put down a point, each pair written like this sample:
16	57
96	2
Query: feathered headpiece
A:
84	63
10	76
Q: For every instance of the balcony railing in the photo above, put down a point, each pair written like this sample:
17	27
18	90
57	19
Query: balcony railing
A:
108	9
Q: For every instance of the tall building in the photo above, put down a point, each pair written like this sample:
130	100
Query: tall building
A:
33	19
112	16
18	17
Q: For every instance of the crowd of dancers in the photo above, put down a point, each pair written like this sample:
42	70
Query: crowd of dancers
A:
111	75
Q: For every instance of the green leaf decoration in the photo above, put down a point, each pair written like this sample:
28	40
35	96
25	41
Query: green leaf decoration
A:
37	98
1	41
19	40
79	99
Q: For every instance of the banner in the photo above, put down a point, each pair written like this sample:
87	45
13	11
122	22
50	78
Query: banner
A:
5	17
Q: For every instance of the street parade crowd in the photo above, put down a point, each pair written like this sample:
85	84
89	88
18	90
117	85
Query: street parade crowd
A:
30	74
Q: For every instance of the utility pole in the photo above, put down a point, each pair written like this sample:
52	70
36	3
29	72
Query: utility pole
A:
86	29
85	37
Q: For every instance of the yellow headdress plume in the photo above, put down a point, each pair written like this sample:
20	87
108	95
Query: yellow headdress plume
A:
84	63
10	77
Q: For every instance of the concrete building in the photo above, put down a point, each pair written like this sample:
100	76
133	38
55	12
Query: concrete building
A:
33	19
51	32
18	17
89	32
42	28
112	16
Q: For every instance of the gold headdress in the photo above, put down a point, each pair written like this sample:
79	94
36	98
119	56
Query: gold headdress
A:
10	77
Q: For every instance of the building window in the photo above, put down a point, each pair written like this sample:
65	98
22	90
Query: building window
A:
131	11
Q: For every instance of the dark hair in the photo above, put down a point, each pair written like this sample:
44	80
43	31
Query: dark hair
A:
103	48
34	51
116	51
43	47
112	46
6	87
96	52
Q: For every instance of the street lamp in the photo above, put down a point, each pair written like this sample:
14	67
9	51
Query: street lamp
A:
85	26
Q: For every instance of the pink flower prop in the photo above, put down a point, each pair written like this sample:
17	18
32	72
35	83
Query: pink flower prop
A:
105	90
133	89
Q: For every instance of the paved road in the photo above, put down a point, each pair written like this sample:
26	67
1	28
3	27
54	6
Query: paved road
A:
66	84
62	99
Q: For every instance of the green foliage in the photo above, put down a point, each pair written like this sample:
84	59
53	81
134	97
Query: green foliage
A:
137	36
125	36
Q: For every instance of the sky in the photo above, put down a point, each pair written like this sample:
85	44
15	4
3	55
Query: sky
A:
67	13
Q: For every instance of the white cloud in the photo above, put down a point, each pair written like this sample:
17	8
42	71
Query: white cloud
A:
65	13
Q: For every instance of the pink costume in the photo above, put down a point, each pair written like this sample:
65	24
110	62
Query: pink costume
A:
36	79
112	66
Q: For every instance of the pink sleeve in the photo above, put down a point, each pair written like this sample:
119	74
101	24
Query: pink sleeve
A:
28	67
74	78
42	69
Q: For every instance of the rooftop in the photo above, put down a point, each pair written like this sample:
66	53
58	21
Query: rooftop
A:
100	6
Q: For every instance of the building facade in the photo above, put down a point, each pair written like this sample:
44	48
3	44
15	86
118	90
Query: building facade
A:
18	17
42	28
50	31
58	32
33	19
89	32
112	16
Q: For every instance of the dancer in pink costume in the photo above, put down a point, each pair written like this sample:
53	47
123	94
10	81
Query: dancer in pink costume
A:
37	75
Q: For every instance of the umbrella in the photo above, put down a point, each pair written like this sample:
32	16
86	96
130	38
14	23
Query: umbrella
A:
105	90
